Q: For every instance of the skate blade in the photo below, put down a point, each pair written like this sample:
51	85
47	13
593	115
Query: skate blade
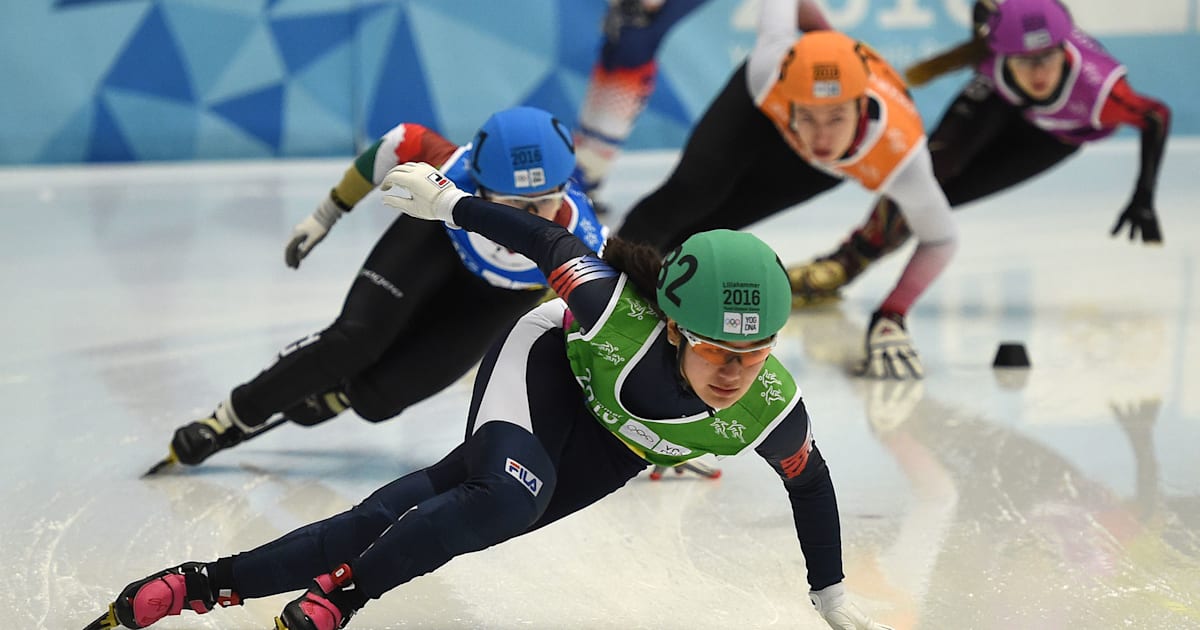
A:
167	461
699	469
279	624
106	621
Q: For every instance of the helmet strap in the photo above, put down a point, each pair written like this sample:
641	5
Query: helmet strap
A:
863	121
683	379
675	338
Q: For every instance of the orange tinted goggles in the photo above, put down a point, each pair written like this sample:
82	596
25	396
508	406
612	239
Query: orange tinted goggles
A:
718	353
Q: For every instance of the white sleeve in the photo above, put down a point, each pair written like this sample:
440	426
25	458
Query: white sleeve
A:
923	204
776	34
916	191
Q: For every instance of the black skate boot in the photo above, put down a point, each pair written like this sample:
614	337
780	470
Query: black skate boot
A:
197	441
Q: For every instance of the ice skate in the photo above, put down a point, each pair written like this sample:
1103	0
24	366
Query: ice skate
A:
820	281
163	594
323	606
197	441
693	466
817	283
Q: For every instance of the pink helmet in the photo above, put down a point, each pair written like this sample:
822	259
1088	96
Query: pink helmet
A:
1017	27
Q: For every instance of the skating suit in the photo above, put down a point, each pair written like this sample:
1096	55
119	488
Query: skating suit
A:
1074	116
497	265
604	356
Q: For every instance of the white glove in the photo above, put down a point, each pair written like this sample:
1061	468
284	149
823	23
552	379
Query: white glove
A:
890	353
840	613
417	189
311	231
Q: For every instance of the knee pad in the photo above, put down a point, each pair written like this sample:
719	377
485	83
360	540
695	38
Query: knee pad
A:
380	417
503	508
484	510
506	485
371	406
512	464
318	408
349	345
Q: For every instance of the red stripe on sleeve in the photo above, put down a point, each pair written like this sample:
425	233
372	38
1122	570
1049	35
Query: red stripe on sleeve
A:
1126	107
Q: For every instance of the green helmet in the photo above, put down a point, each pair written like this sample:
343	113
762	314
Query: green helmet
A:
725	285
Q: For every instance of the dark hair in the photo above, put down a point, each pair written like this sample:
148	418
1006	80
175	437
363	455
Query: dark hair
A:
641	263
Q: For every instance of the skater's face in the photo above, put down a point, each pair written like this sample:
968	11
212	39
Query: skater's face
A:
544	204
826	131
1038	74
720	372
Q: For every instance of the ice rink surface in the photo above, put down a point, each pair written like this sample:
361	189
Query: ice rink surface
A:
1063	496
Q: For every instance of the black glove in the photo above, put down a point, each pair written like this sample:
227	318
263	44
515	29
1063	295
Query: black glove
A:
1139	214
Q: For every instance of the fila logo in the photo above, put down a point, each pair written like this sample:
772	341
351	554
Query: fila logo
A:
524	475
438	179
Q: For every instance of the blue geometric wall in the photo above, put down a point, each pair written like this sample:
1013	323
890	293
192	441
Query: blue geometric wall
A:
184	79
124	80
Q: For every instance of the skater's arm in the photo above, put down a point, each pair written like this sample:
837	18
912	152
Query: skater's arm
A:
406	142
575	272
810	18
790	451
778	21
1153	118
925	209
420	190
775	35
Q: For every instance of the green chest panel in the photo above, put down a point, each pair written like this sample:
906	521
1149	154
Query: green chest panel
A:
604	357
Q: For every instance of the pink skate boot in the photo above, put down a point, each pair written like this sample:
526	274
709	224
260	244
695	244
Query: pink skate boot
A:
314	610
166	593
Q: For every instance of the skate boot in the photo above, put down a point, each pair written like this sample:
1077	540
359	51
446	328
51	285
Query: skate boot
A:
166	593
197	441
820	282
327	605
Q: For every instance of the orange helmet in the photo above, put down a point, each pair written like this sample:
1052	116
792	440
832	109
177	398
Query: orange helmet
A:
823	68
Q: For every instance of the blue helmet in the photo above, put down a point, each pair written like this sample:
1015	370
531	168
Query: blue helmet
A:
520	151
